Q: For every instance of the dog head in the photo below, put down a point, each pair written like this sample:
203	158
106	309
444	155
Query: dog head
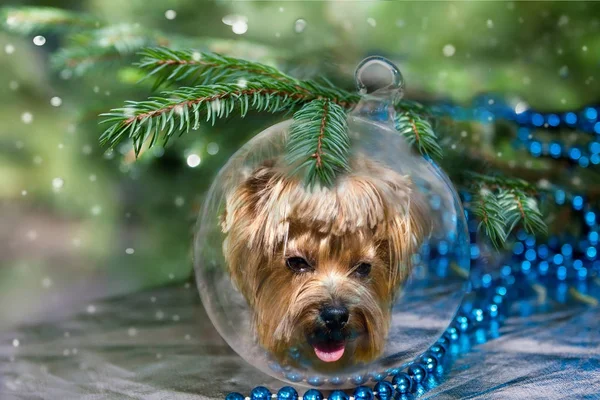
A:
320	267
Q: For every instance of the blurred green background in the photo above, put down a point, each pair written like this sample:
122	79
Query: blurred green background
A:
78	223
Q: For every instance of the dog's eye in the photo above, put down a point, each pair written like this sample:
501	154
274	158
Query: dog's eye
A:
362	269
298	264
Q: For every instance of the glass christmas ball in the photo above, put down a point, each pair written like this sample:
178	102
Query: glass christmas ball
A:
332	286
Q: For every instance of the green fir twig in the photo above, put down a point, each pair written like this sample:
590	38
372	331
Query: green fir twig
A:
520	208
318	142
183	109
36	20
486	206
418	132
192	66
503	203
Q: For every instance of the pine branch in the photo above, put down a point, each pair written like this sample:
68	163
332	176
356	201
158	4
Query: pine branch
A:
514	202
318	142
180	110
486	206
81	59
106	45
418	132
29	20
168	65
517	208
499	182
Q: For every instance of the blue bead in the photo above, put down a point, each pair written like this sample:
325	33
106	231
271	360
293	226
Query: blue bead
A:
518	248
523	134
553	120
234	396
555	150
597	127
486	280
591	253
571	118
385	390
492	310
363	393
402	382
591	113
444	340
338	395
417	373
560	196
452	333
275	366
561	273
543	267
378	376
584	161
358	379
535	148
475	252
574	153
315	380
438	351
312	394
429	362
594	147
542	251
294	376
337	380
567	250
558	259
287	393
530	255
260	393
462	323
477	314
578	202
590	218
442	247
537	119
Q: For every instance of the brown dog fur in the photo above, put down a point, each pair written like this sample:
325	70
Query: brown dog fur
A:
373	215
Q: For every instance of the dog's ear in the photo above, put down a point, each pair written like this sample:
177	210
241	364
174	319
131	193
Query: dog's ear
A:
255	208
407	218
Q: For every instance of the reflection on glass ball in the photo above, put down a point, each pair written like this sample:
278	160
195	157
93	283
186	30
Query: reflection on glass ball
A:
332	286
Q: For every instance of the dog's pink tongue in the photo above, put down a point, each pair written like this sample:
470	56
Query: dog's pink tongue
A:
330	354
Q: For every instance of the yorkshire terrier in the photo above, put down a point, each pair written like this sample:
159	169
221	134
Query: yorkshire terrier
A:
320	267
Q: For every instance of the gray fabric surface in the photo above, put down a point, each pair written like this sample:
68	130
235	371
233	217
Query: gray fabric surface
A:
160	345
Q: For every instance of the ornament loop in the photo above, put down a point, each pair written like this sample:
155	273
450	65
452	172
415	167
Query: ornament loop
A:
376	73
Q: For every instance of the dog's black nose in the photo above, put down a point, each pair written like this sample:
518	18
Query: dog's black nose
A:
335	317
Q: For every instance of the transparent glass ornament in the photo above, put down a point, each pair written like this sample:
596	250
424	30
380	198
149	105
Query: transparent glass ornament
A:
329	286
